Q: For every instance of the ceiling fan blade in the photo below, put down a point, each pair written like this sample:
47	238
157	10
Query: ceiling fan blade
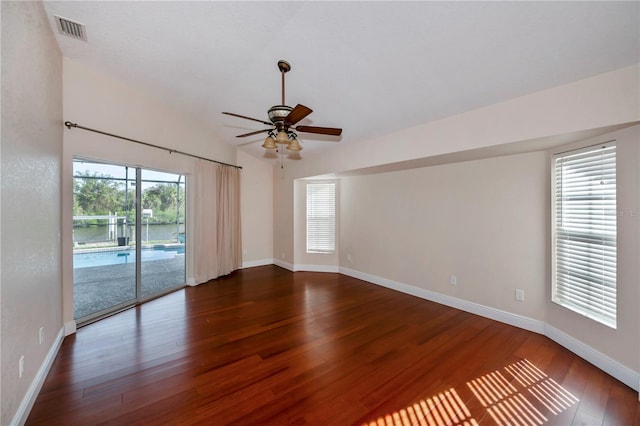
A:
253	133
297	114
320	130
249	118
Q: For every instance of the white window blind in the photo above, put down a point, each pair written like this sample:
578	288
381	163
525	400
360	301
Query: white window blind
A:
321	217
584	246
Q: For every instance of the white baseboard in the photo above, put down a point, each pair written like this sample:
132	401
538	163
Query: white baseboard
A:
254	263
603	362
283	264
291	267
29	399
316	268
600	360
69	328
464	305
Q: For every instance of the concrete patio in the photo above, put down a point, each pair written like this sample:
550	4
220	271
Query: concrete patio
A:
100	287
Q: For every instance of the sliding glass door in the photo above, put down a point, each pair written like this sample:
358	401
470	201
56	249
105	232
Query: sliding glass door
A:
104	273
163	232
122	254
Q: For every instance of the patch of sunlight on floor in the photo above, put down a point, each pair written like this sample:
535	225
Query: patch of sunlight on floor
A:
520	395
538	396
445	408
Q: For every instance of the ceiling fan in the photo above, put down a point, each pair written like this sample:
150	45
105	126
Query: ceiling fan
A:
282	128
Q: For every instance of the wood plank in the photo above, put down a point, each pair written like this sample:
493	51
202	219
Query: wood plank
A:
267	346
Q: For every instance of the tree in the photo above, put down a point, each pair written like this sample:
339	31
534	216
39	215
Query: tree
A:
100	194
163	199
97	194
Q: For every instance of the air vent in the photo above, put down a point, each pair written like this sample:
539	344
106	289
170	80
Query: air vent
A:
71	28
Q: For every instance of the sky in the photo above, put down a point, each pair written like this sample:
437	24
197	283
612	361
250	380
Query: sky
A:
116	171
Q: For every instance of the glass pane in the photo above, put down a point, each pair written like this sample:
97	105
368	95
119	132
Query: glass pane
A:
163	232
104	275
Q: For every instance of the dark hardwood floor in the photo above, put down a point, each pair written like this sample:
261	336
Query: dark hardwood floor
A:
267	346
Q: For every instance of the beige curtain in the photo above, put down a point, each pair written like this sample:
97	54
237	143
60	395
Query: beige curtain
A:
216	235
228	230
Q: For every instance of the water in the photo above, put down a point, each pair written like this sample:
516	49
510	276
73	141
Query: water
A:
99	233
116	257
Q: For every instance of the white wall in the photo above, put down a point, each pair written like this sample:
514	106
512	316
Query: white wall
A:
488	222
483	221
96	100
609	99
256	193
283	218
604	100
31	154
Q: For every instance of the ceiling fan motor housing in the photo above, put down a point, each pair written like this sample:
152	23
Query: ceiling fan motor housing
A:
278	113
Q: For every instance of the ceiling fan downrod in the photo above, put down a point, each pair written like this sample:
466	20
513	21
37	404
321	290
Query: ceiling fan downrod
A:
284	67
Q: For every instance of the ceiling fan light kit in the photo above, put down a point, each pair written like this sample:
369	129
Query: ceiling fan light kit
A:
282	137
294	145
283	120
270	142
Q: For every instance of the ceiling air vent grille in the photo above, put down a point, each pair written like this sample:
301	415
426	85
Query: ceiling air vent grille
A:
71	28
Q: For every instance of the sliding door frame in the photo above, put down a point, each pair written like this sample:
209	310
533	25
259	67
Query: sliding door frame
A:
138	299
138	234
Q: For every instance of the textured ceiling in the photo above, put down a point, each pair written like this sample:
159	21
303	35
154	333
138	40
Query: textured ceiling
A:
368	67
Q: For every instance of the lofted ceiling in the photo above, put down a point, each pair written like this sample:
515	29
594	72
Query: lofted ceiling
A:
369	67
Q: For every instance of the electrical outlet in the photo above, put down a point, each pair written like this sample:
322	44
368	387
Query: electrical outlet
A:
349	257
519	295
283	256
21	367
453	280
41	335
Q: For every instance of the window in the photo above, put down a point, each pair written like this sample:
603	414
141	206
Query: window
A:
321	217
584	232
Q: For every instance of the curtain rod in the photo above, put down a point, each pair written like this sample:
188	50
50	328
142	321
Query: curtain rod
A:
171	151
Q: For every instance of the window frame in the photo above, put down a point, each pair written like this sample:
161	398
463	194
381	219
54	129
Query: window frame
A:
589	309
316	248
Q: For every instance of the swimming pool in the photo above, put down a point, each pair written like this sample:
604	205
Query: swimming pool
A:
116	257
